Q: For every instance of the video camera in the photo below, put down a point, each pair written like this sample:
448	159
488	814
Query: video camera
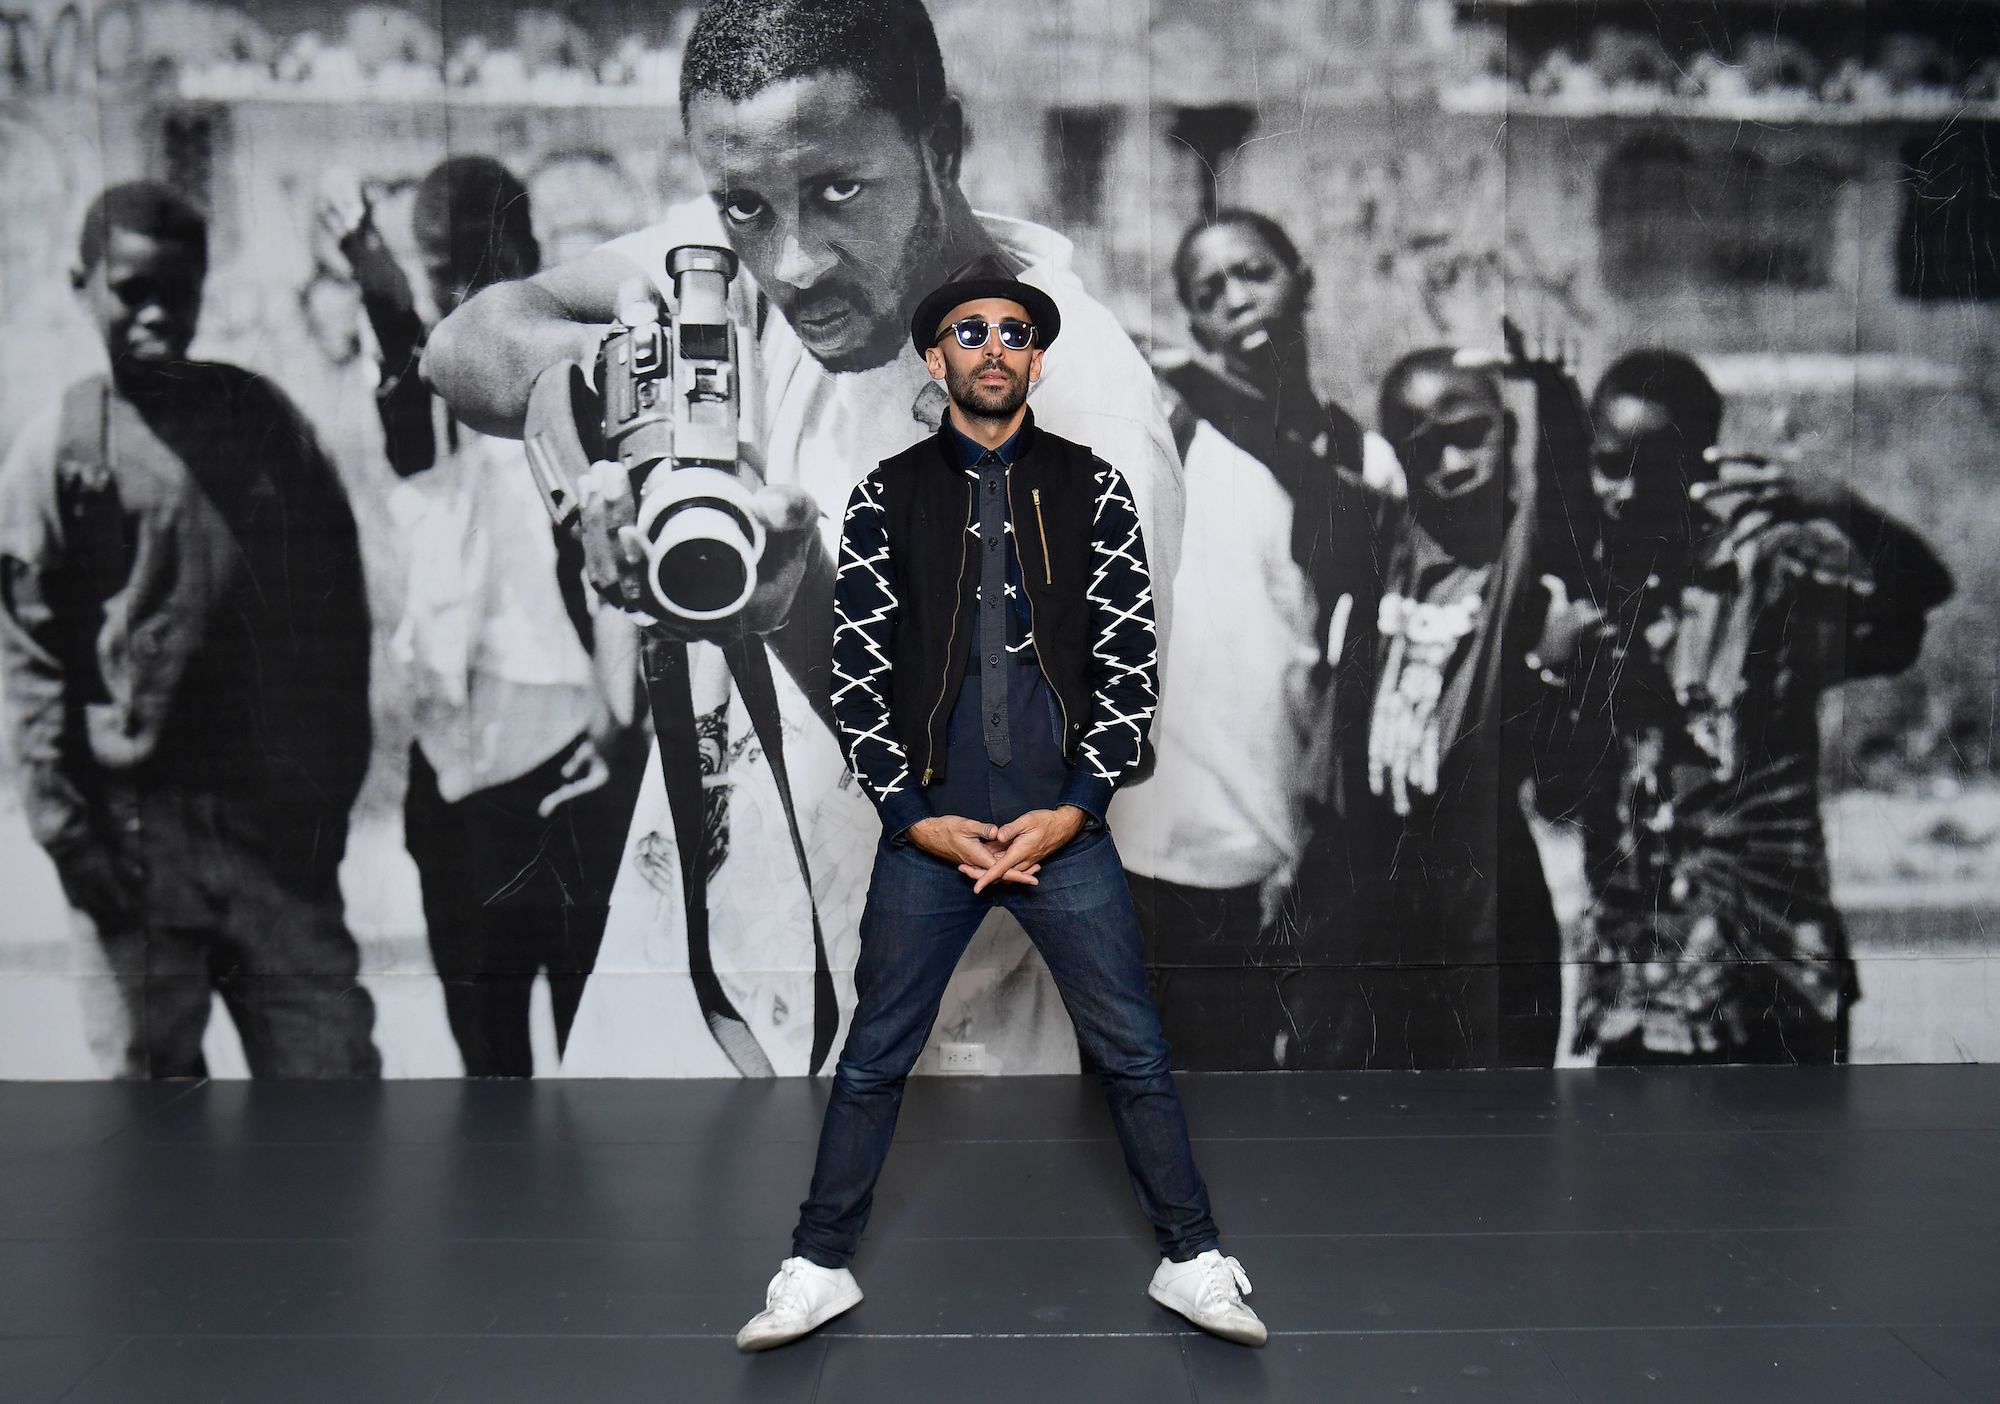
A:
648	458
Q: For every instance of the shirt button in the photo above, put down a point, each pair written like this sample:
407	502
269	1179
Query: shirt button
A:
995	719
993	485
992	660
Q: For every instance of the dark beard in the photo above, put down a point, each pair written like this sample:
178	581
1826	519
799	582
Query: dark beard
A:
885	339
977	402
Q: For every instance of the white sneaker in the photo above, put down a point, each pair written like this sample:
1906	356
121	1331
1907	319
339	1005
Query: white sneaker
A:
1209	1290
803	1297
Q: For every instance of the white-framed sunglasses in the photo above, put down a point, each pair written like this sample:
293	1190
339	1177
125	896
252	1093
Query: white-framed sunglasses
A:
972	333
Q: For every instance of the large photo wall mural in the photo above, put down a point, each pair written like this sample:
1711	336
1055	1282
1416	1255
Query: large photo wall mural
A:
1564	439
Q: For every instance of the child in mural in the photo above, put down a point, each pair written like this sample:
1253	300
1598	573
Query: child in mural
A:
1737	594
1453	949
526	760
834	146
185	641
1277	583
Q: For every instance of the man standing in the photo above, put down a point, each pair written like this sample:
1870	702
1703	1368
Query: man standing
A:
994	667
1276	588
526	761
832	146
185	634
1736	595
1455	948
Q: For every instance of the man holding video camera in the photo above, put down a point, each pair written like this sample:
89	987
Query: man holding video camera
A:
832	147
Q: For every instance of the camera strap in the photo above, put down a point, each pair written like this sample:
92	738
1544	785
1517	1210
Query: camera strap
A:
669	692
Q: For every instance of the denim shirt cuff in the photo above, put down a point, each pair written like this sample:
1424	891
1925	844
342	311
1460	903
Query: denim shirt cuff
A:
900	812
1091	794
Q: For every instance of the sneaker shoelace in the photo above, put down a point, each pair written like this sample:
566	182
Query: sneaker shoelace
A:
1225	1280
787	1290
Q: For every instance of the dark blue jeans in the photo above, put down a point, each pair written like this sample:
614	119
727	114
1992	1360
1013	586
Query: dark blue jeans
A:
921	913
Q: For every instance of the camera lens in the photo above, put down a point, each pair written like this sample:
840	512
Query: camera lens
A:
700	578
703	540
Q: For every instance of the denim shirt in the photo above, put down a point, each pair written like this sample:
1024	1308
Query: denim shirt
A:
973	786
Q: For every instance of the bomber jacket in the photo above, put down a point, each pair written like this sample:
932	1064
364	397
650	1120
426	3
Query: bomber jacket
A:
903	595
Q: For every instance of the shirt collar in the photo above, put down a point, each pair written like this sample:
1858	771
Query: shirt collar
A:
970	450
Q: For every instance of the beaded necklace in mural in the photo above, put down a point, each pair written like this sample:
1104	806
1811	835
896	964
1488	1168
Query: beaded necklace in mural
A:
1405	741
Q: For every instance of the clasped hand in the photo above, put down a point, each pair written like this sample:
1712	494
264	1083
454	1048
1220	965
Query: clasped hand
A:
990	853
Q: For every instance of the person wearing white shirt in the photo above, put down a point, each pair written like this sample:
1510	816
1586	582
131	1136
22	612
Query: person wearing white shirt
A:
526	759
1276	595
832	149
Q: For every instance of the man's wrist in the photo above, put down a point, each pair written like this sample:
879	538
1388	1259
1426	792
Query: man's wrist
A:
1079	819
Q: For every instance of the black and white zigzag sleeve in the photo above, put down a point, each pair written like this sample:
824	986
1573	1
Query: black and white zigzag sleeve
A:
864	607
1124	648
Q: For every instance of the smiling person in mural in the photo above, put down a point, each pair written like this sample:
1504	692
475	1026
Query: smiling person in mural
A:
832	148
995	675
1278	580
1737	595
184	638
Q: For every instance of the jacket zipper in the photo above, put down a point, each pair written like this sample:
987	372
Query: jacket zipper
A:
1061	741
1048	570
957	601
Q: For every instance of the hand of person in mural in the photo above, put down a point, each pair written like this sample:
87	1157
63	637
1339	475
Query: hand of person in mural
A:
1565	626
1521	357
1787	488
1019	847
98	885
1752	499
345	217
584	769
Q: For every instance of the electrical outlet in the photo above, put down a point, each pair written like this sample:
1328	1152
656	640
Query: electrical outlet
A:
961	1057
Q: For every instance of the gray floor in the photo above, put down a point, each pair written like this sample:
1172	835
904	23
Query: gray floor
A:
1766	1235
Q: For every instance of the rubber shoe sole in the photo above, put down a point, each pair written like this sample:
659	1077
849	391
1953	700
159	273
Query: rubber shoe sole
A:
750	1344
1251	1333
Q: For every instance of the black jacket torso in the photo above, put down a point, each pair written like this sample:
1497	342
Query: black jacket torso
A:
928	504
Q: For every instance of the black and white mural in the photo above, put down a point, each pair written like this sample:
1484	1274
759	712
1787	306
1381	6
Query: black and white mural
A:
1563	437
